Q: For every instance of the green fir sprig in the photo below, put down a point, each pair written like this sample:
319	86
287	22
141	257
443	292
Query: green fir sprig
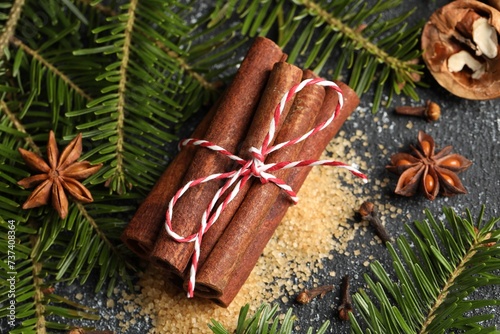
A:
126	77
373	51
265	320
437	268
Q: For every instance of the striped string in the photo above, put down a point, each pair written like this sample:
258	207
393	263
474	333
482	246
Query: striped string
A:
255	167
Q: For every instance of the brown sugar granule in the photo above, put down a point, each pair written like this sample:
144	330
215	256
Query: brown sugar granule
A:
110	303
309	235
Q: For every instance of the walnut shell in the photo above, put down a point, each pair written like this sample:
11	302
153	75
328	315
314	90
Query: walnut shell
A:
494	3
448	32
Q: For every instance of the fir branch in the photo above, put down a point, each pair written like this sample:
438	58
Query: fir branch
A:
19	126
105	10
95	227
266	320
184	66
450	283
429	296
38	57
10	26
53	234
79	261
33	301
103	236
354	35
434	278
119	173
38	296
376	53
156	82
181	61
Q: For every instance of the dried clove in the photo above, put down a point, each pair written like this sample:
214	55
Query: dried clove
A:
431	111
306	296
346	301
368	212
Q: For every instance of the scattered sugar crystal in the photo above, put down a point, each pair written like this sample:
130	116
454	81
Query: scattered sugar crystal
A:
110	303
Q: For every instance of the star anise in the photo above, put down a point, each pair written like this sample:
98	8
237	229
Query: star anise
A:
59	175
431	172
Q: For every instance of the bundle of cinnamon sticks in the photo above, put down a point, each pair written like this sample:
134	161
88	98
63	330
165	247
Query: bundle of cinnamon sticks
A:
237	122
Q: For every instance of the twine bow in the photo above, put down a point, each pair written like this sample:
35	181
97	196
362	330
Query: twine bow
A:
254	167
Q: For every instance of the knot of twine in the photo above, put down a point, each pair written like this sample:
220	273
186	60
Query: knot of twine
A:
254	167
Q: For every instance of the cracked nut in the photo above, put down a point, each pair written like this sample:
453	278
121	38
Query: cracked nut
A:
460	49
494	3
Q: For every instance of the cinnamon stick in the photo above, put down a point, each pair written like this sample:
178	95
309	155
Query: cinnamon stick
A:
312	149
227	129
226	255
141	232
283	77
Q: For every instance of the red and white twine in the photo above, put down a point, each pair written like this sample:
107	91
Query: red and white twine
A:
255	167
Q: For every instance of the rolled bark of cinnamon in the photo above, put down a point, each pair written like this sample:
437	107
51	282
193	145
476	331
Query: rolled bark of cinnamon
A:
226	256
283	77
141	232
312	149
227	129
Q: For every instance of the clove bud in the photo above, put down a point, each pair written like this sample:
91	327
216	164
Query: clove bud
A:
431	111
368	212
306	296
346	300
